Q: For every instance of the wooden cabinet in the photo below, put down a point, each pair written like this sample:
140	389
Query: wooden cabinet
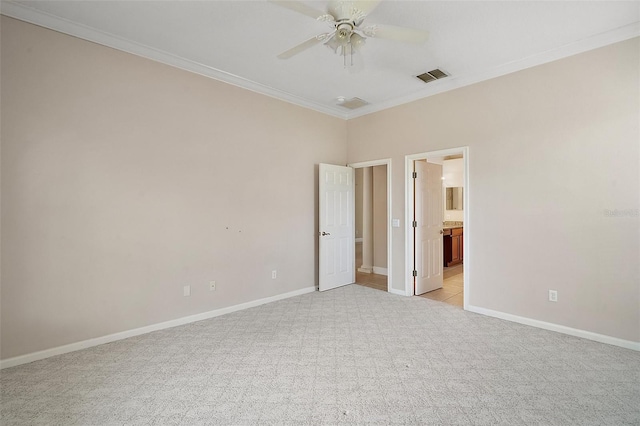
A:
452	243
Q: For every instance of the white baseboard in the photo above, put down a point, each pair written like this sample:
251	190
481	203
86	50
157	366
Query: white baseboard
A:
365	269
359	240
36	356
398	292
380	271
628	344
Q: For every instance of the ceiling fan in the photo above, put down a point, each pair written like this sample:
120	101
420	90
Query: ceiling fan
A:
348	34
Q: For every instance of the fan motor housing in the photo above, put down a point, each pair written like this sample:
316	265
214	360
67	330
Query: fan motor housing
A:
345	28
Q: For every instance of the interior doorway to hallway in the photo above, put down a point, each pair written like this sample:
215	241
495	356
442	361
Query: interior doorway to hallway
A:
372	224
368	279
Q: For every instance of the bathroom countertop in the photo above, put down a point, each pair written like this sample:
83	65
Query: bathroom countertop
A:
452	225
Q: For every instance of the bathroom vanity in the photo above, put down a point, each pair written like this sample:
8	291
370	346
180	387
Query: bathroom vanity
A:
452	238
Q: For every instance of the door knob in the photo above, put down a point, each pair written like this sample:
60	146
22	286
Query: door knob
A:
324	233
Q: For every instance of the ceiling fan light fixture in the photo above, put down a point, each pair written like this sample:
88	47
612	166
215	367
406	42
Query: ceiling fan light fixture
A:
344	31
333	44
347	36
357	41
347	48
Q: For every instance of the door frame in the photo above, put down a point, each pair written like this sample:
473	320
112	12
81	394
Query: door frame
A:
408	186
382	162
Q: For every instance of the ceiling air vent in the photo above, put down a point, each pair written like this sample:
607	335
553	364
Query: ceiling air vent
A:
352	103
432	75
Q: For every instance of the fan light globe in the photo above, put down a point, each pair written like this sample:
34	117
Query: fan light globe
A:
333	44
357	41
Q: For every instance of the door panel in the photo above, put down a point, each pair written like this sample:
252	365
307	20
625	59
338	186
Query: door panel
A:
428	214
336	226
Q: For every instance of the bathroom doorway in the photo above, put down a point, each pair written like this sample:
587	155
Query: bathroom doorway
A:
437	227
452	290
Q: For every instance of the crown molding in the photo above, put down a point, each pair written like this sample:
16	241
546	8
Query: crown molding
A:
43	19
47	20
439	86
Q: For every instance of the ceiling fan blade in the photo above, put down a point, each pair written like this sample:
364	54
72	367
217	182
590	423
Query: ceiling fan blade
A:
303	46
335	8
344	9
299	7
391	32
366	6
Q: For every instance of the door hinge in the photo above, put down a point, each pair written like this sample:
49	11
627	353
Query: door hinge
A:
415	273
415	175
414	224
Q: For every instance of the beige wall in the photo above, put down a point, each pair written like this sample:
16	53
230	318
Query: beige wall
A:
380	217
550	149
124	180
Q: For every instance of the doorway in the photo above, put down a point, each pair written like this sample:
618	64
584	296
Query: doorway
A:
372	224
441	229
452	290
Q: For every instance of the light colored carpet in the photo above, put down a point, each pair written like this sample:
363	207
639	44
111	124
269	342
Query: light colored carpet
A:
347	356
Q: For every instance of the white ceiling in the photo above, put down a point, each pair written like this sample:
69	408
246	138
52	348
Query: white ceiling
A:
237	42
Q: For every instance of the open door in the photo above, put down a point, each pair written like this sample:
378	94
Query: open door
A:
428	216
336	226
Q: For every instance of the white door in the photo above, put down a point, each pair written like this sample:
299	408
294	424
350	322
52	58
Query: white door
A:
336	226
428	217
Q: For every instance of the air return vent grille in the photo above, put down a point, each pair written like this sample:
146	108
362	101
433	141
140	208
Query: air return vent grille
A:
353	103
432	75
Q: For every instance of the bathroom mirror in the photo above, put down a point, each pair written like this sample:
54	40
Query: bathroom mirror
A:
454	198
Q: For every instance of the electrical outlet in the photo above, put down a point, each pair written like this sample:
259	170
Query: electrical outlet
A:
212	286
186	290
553	295
274	274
